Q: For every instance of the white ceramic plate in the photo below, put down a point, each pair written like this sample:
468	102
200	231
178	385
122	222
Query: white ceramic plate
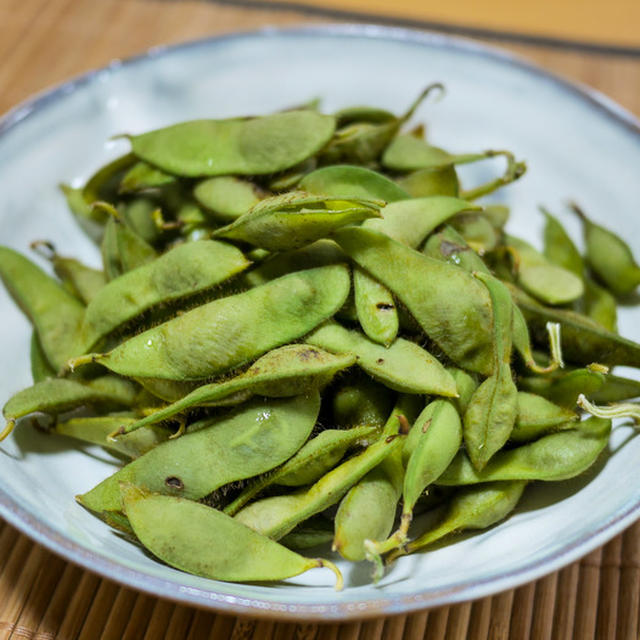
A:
577	144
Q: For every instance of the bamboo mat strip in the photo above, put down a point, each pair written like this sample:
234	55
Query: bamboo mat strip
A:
44	598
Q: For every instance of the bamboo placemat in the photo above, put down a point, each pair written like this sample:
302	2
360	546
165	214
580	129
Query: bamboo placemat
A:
43	597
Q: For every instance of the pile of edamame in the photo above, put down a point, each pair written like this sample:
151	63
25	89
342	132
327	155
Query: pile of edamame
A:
307	331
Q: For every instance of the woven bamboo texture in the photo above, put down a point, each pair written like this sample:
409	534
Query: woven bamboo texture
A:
43	597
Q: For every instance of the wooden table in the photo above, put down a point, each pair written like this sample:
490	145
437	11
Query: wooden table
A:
44	597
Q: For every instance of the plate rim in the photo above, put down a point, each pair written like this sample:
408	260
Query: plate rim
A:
213	598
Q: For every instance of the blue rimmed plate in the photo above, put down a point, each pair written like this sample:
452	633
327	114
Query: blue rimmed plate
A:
577	145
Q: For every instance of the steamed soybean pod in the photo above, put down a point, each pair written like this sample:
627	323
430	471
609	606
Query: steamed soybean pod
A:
213	545
255	438
222	334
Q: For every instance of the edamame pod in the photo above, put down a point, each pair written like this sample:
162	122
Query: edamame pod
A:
213	545
53	311
315	458
251	440
431	445
96	429
431	182
546	281
558	456
226	197
55	395
583	340
40	367
411	221
364	141
558	246
600	305
288	371
404	366
609	256
472	508
368	510
276	516
564	388
240	146
492	409
538	416
79	279
460	324
222	334
185	270
375	307
295	219
352	182
143	176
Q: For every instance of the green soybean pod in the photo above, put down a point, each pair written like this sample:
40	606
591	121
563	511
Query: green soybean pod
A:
558	246
492	409
431	182
609	256
140	214
142	176
55	395
497	214
184	270
213	545
558	456
564	388
541	278
477	231
287	371
600	305
411	221
79	279
431	445
102	185
409	153
278	515
294	219
583	340
364	141
459	324
318	254
352	182
96	429
240	146
92	222
53	311
226	197
449	246
616	389
317	457
538	416
40	367
109	250
404	366
375	307
311	533
368	510
222	334
253	439
472	508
